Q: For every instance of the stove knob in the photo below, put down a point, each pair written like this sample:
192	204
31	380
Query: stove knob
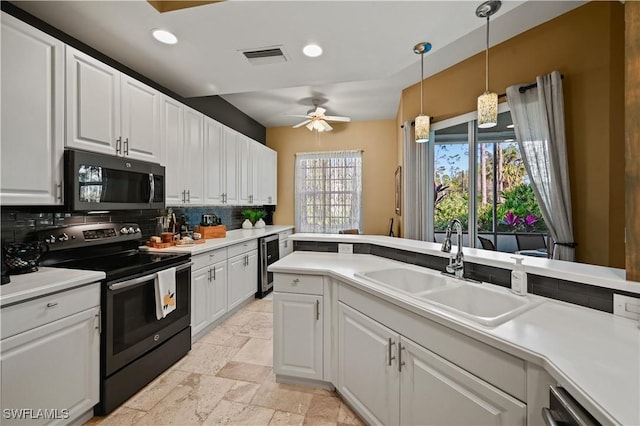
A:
131	230
50	239
124	231
137	230
63	237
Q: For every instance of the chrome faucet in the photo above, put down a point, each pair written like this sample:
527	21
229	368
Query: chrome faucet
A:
456	266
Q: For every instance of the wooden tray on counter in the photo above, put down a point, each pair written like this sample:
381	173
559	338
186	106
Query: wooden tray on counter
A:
172	244
207	232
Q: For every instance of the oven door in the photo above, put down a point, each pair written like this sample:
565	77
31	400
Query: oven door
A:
129	317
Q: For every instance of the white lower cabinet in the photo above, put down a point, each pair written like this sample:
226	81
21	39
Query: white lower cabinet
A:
243	272
368	375
298	332
390	379
208	289
434	391
54	363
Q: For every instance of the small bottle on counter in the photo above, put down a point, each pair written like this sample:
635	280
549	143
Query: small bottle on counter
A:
518	278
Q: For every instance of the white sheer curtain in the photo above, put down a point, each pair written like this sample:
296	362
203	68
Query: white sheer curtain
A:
538	116
328	194
414	186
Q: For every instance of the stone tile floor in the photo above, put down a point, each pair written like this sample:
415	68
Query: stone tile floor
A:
227	379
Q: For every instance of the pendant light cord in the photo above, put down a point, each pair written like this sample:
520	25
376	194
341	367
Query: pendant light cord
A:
486	85
421	79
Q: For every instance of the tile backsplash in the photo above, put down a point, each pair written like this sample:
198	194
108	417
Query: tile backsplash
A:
20	223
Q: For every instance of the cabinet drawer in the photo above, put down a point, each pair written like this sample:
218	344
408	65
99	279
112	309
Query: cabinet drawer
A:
34	313
209	258
295	283
285	234
240	248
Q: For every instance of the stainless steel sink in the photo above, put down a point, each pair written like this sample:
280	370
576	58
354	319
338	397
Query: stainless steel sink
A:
408	280
484	304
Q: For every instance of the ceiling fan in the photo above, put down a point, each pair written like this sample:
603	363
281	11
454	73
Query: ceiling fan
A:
316	120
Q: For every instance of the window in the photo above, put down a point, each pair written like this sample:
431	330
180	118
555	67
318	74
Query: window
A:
328	191
479	178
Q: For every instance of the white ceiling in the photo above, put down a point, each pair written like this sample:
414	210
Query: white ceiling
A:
368	47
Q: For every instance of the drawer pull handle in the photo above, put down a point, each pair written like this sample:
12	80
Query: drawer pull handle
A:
52	304
295	282
400	361
317	310
391	357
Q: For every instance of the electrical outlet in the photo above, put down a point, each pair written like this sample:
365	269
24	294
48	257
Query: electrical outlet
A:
345	248
625	306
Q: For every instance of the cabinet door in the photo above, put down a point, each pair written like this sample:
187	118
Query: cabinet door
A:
140	120
193	161
200	294
218	295
251	274
368	375
252	172
297	331
171	137
286	247
93	104
32	115
267	169
236	281
435	391
214	157
230	166
55	366
244	170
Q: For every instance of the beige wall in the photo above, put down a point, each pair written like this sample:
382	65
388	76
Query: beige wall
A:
378	141
587	46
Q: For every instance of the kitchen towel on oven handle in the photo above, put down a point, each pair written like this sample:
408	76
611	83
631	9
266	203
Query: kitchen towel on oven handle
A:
165	284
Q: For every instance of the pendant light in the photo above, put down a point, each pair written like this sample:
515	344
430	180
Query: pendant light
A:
422	121
488	101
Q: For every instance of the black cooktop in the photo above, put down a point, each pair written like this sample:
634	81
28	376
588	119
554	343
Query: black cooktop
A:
108	247
128	264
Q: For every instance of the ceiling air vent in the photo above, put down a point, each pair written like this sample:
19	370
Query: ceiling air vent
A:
267	55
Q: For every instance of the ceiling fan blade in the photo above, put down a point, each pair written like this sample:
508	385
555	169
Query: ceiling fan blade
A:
337	118
301	124
325	126
310	125
320	111
298	115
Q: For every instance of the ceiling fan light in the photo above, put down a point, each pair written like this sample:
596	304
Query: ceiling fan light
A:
487	110
423	124
312	50
164	36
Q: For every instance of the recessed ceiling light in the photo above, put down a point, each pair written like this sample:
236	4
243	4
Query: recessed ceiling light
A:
312	50
164	36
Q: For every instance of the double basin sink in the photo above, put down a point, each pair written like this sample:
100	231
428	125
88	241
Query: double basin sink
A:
477	302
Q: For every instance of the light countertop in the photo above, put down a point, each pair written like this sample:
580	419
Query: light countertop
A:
233	237
600	276
43	282
594	355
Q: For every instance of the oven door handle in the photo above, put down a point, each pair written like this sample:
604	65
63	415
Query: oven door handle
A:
136	281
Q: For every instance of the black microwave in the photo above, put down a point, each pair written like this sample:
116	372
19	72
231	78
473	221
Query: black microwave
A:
105	182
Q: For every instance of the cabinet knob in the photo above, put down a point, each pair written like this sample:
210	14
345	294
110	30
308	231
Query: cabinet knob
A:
296	281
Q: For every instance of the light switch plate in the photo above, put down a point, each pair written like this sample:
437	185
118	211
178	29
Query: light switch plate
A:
626	306
345	248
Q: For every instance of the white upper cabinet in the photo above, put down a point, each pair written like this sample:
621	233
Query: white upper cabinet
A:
173	150
193	161
230	167
214	157
245	162
267	166
32	115
109	112
140	120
